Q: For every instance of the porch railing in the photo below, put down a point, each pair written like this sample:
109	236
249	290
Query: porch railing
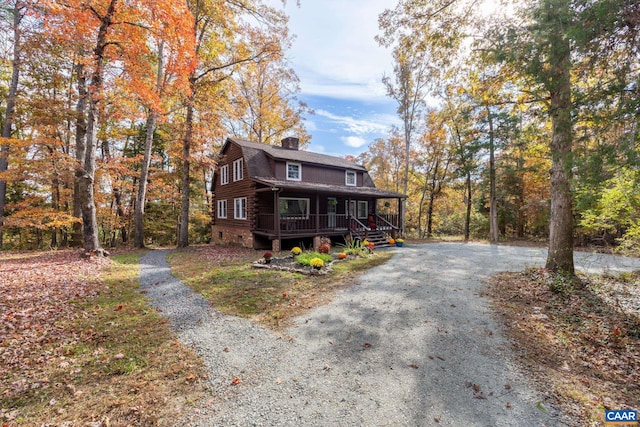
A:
319	223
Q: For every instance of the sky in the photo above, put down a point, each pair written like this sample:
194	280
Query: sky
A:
340	67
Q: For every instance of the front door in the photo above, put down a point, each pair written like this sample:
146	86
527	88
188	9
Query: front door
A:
331	212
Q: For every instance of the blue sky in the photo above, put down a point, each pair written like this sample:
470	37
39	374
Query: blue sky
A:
340	67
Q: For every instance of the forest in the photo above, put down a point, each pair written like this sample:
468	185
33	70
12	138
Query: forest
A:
519	123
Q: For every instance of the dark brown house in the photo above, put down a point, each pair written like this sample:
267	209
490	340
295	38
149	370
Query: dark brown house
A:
265	195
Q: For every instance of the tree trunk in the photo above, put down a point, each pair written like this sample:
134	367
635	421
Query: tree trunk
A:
142	184
141	197
86	180
420	210
493	204
432	197
560	255
81	139
10	109
467	219
183	231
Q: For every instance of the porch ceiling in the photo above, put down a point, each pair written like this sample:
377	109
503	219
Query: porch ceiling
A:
331	189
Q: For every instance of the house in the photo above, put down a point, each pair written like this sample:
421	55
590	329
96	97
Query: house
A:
268	197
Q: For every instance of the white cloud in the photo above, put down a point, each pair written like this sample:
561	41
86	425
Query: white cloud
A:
354	141
353	125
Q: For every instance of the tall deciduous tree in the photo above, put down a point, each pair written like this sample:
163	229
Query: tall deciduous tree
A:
221	45
264	100
17	14
111	25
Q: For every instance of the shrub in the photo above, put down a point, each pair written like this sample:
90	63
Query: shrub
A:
316	263
392	242
342	255
324	249
296	250
306	257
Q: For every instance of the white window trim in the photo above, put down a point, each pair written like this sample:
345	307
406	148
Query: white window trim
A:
222	209
304	216
238	211
346	178
238	173
224	175
299	178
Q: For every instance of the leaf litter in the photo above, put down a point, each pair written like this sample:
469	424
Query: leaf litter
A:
580	338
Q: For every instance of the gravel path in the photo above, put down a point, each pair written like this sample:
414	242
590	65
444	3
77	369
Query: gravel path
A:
414	343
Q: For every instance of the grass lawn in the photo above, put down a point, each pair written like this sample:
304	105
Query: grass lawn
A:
269	297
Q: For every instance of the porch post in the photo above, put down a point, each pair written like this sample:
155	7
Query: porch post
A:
317	213
401	203
276	211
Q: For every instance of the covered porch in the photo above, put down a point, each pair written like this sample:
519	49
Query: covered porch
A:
297	211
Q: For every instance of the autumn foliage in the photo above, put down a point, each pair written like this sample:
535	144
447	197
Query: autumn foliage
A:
112	94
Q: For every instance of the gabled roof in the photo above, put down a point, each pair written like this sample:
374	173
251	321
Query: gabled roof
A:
257	156
252	151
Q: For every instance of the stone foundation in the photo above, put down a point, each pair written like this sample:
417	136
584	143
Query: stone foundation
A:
231	236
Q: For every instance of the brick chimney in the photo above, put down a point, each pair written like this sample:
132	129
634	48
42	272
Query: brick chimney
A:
291	143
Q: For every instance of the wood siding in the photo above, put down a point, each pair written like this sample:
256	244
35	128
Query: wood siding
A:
234	190
318	174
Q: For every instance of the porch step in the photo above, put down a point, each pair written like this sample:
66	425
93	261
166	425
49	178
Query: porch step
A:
378	238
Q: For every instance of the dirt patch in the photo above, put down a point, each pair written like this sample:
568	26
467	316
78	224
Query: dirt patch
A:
580	339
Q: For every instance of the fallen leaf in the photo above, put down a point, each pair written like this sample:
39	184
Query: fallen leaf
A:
366	345
235	381
413	365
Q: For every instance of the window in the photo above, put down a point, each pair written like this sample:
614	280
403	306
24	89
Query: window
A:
224	174
363	209
222	208
237	170
240	208
294	171
350	178
293	208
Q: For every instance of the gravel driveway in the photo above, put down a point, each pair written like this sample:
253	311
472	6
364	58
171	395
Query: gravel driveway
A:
413	343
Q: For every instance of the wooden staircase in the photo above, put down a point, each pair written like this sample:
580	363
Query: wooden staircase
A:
376	237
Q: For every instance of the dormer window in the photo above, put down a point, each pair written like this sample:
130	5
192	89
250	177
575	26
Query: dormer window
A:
350	178
294	171
237	170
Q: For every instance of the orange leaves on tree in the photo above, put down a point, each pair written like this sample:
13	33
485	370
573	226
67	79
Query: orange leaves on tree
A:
131	40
